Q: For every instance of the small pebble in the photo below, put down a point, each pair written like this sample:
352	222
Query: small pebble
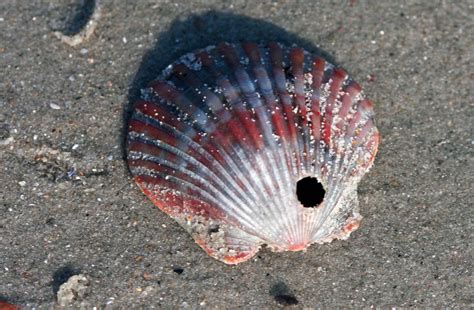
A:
75	146
22	183
6	141
84	51
72	291
54	106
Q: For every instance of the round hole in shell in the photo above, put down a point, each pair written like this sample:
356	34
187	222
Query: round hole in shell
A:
310	192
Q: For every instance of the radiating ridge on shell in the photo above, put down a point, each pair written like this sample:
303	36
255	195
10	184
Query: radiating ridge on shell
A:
221	140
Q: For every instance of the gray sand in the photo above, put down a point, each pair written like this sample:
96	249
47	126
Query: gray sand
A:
69	206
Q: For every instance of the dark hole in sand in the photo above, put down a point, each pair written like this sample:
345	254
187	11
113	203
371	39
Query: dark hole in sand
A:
81	14
178	270
310	192
286	300
282	295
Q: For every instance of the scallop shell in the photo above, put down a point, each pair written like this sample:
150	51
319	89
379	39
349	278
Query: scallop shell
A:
247	145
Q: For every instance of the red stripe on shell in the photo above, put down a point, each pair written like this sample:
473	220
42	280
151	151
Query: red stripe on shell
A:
176	204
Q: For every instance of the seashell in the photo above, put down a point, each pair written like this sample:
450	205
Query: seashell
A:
248	145
7	306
